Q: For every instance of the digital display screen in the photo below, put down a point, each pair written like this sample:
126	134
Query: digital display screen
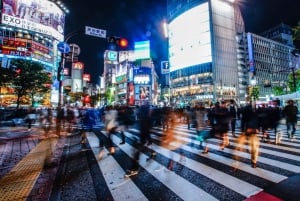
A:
40	16
142	50
190	43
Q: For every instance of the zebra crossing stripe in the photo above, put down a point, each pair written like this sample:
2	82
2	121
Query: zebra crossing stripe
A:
233	183
229	181
183	188
265	174
121	189
283	165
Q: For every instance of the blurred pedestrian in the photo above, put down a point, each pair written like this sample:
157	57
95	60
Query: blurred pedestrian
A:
30	118
171	142
264	122
111	126
144	140
233	116
221	126
290	112
125	119
250	135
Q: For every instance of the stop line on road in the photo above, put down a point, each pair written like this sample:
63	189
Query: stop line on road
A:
212	176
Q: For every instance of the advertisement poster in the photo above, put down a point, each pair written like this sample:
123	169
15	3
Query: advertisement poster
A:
40	16
144	93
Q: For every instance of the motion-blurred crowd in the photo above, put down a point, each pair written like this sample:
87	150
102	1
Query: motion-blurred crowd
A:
214	121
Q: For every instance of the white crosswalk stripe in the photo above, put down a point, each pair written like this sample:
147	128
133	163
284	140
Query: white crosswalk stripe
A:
219	169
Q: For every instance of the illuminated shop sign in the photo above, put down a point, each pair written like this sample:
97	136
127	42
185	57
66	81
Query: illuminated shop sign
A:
23	46
86	77
142	79
78	65
41	16
121	78
142	75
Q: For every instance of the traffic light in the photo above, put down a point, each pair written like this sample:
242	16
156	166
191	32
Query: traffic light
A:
123	43
115	43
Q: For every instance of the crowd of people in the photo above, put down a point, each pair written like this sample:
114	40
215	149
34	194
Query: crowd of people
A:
218	121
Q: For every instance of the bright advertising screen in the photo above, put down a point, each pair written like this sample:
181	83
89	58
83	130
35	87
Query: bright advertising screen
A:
189	38
142	50
41	16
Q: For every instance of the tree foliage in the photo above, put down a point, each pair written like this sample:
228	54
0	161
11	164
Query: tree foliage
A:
296	32
30	80
290	81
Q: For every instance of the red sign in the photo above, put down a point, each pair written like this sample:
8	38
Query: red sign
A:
86	77
78	65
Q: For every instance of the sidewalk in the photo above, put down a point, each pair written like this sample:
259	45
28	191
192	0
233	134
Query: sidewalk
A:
19	182
7	133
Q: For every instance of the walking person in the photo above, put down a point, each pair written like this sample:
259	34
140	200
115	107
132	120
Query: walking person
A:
274	113
264	122
125	119
188	116
222	118
290	112
171	142
111	126
233	116
30	118
250	135
144	138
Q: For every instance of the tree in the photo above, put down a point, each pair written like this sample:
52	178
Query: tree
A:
296	32
30	80
291	80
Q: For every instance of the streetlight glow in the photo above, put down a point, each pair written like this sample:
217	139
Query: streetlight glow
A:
165	29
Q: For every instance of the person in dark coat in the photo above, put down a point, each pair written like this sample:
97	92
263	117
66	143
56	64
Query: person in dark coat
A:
290	112
145	120
251	126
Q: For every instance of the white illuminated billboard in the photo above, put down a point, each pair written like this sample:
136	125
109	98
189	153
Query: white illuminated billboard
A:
40	16
190	38
142	50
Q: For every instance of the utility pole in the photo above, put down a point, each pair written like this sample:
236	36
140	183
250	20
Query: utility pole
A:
64	48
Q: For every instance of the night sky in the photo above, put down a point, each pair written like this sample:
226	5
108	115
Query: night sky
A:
139	20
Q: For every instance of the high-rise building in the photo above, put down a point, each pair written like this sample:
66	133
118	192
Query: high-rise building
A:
203	50
266	63
31	30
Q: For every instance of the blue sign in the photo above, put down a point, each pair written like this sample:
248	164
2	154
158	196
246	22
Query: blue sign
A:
112	55
165	68
63	47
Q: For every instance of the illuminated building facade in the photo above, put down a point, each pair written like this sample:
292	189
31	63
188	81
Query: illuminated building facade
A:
130	77
31	30
203	50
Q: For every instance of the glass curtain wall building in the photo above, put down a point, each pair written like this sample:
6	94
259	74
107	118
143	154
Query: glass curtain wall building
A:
203	50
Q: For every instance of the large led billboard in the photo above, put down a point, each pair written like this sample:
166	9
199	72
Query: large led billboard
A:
142	49
190	38
41	16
